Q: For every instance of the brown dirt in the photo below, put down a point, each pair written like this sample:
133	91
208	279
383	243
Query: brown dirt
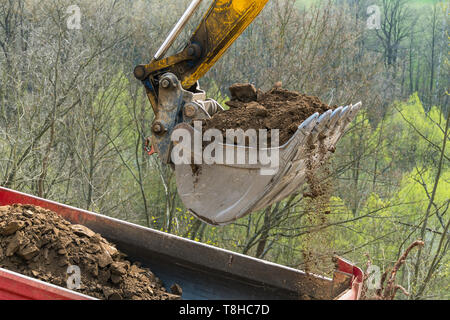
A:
276	109
38	243
317	243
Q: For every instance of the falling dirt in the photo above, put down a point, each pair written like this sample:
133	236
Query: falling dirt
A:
276	109
38	243
317	243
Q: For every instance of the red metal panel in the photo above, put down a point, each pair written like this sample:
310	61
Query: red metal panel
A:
354	292
14	286
348	267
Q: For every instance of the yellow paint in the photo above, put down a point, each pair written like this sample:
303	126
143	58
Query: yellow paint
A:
222	24
225	21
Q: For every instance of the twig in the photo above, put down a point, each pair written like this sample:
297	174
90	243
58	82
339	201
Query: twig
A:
391	288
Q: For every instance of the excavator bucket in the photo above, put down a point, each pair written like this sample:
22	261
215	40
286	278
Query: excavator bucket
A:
222	193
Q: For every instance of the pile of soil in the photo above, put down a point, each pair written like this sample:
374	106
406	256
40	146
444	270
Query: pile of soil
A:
276	109
38	243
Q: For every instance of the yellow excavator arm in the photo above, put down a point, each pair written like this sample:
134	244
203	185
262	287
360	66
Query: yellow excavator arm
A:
222	24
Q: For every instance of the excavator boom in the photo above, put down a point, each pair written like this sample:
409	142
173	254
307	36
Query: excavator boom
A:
222	24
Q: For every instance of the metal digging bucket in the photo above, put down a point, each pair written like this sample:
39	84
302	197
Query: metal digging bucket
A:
222	193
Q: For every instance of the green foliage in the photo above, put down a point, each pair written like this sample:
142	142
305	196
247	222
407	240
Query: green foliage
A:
415	197
415	133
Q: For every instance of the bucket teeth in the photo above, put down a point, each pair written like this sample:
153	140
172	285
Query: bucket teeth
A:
344	114
309	124
322	125
335	115
221	194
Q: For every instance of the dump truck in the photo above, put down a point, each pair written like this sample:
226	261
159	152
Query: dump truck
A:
204	272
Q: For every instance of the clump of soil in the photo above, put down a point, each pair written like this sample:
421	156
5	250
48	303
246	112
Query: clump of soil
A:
276	109
38	243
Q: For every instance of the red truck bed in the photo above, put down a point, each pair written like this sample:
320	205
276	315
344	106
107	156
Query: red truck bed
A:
203	271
